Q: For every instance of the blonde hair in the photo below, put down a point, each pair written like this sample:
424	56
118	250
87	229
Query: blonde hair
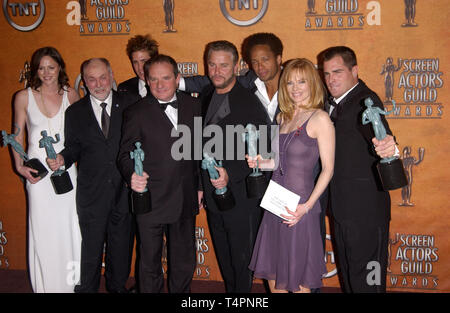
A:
309	72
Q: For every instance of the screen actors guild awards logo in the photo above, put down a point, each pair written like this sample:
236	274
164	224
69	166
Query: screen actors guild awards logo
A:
202	270
410	13
388	70
330	260
419	81
83	10
258	7
105	17
243	67
408	162
4	263
341	15
25	74
169	6
416	256
311	7
13	10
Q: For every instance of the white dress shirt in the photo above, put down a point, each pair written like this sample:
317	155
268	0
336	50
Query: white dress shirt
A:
142	89
269	104
95	103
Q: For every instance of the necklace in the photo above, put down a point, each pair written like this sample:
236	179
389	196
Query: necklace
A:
285	145
48	118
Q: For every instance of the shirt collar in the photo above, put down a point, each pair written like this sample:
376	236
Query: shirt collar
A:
97	102
262	89
173	99
142	89
345	94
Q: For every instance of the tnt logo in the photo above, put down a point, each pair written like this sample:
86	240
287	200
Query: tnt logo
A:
24	15
243	12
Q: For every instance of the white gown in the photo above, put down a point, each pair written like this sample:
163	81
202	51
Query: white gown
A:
54	239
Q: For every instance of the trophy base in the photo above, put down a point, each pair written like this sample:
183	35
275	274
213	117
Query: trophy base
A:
256	186
36	165
141	202
224	201
61	182
392	174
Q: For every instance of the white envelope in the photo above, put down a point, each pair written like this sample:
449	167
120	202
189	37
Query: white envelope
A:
277	198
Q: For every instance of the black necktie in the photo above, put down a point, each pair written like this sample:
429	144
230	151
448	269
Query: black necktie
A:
105	119
173	104
148	89
334	113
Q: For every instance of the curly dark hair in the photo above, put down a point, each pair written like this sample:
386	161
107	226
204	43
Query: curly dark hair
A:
142	42
35	82
269	39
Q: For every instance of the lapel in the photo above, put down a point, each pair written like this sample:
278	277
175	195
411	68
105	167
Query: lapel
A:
350	110
348	101
225	107
182	109
160	114
222	112
91	121
116	114
327	106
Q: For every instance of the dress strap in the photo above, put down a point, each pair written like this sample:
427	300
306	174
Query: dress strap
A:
305	123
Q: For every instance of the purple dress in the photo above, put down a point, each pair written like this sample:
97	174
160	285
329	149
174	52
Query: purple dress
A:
292	256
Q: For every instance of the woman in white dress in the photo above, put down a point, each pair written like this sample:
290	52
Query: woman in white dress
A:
54	240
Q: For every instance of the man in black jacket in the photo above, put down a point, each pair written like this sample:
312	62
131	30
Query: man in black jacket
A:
227	103
359	205
171	181
92	132
140	48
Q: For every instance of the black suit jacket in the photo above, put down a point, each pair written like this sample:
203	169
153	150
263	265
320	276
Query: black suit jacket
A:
129	90
356	192
244	108
99	184
173	184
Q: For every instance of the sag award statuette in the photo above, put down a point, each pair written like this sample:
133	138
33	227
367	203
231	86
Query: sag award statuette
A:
60	178
223	197
31	163
391	171
141	201
256	181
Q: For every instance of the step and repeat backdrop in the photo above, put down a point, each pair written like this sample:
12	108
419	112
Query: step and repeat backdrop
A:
403	54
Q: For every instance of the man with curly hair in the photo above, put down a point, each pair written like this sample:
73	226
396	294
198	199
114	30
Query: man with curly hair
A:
140	48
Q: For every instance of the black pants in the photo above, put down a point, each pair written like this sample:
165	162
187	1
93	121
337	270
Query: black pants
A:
356	247
233	233
180	239
114	230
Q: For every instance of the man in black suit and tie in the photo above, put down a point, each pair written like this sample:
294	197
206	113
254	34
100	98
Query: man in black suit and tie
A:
140	49
92	132
359	205
227	103
172	181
